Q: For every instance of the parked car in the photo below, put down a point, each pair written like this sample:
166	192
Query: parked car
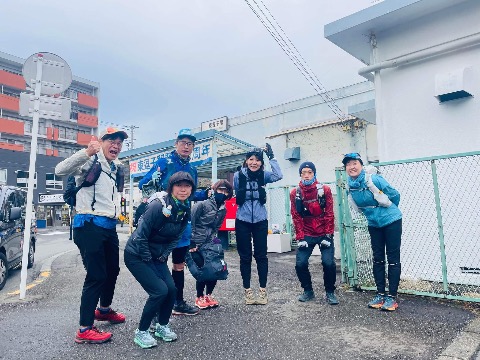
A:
12	226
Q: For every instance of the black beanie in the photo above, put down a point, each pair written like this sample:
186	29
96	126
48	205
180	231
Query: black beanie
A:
307	164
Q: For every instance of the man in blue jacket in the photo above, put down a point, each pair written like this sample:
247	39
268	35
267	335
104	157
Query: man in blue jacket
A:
157	180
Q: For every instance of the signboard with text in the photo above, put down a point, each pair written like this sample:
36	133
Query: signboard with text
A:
219	124
201	154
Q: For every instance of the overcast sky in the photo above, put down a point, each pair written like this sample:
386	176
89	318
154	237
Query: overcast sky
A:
163	65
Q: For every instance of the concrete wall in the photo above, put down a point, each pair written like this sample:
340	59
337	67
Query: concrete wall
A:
411	122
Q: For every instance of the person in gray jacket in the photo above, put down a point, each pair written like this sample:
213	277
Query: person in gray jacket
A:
207	218
94	230
251	219
147	251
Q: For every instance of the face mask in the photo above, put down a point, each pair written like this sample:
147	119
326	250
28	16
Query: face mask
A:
220	198
309	182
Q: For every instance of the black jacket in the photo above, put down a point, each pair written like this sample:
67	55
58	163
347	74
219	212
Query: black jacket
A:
207	218
157	235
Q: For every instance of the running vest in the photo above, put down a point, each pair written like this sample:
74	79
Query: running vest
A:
241	194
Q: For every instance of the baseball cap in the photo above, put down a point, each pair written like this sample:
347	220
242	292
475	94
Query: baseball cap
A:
186	133
110	131
352	156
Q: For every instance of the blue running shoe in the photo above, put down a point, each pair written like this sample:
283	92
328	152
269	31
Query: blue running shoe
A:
331	298
377	301
390	304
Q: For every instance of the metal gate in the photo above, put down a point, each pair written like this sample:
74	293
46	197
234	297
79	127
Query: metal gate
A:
440	251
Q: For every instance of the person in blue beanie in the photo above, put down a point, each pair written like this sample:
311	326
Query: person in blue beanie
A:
378	201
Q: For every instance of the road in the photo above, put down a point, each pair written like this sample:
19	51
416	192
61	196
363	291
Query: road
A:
48	244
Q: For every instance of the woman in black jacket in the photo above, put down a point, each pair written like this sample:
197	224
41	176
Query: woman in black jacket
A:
207	218
147	251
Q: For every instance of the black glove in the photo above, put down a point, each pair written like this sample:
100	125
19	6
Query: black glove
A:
162	259
269	151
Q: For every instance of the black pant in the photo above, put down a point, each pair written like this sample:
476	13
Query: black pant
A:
156	280
202	285
387	238
244	232
100	255
328	263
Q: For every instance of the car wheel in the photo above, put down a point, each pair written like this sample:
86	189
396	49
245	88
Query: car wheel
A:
3	270
31	255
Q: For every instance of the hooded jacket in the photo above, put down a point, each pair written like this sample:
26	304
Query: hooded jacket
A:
376	215
321	222
157	235
107	200
207	218
253	211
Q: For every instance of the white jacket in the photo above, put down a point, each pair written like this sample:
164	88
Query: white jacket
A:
107	199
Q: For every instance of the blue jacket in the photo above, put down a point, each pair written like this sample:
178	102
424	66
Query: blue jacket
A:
253	211
168	166
377	216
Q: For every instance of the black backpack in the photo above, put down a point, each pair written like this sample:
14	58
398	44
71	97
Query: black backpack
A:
70	194
212	263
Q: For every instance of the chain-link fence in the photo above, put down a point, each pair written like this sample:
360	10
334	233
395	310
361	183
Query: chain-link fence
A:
440	250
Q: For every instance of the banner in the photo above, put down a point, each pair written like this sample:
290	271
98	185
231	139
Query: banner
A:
201	154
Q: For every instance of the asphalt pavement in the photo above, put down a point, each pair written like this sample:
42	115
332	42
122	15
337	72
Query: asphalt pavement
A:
43	325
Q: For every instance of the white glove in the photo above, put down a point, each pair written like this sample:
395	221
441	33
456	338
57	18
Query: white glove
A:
302	243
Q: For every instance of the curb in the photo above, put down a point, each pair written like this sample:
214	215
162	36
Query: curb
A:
465	345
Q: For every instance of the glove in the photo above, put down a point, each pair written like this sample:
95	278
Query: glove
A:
162	259
268	151
156	175
302	243
326	241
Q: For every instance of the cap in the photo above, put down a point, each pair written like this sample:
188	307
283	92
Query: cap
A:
109	131
351	156
186	133
307	164
180	176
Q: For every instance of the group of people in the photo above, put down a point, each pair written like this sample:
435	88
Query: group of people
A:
170	225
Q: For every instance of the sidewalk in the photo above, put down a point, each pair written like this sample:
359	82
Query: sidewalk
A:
422	328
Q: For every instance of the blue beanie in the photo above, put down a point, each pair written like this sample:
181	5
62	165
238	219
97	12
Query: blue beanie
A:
307	164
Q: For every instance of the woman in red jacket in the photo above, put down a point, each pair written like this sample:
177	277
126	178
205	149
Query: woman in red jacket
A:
312	213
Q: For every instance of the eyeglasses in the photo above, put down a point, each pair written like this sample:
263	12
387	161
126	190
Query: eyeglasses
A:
113	142
185	143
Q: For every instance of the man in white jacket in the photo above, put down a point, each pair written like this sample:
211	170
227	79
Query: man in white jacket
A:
94	229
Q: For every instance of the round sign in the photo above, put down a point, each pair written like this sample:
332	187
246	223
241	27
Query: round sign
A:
56	74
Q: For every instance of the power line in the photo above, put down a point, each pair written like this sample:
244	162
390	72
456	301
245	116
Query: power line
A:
294	55
130	142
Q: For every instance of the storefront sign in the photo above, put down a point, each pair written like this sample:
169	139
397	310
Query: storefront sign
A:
201	154
219	124
50	198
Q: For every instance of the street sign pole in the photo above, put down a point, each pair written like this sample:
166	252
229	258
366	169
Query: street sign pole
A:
48	74
31	176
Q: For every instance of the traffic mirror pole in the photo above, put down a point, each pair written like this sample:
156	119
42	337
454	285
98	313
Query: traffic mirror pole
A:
31	176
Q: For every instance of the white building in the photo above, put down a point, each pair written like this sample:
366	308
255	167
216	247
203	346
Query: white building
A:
420	54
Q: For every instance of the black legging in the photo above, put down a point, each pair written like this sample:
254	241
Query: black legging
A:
157	281
244	232
387	240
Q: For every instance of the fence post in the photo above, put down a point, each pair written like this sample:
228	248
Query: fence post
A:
288	215
340	224
440	225
347	228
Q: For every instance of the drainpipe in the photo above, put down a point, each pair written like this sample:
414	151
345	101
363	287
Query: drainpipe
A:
436	50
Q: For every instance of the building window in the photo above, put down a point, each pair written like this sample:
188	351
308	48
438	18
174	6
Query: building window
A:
3	176
22	179
53	182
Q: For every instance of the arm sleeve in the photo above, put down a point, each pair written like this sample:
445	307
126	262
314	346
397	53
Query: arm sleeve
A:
160	163
73	164
329	217
297	219
151	219
387	189
275	174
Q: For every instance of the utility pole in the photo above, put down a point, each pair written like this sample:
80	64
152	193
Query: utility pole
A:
132	138
130	141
